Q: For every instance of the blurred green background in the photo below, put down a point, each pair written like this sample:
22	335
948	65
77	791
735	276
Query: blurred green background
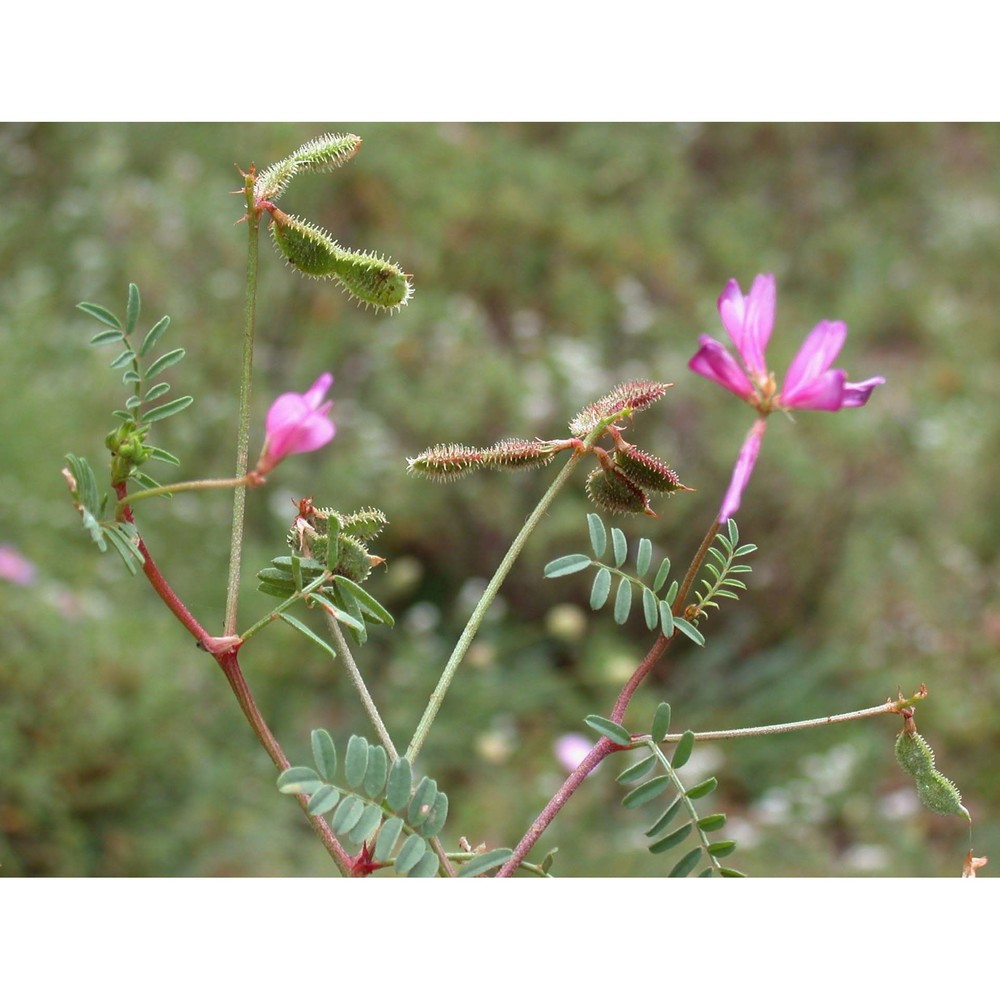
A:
550	262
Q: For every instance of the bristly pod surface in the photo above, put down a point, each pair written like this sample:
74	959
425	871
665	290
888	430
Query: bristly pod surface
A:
935	791
514	453
626	398
612	491
646	471
445	462
326	152
367	277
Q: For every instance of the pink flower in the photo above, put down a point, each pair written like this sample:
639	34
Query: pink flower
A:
297	423
810	384
742	471
15	567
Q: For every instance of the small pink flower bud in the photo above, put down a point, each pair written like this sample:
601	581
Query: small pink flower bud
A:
297	423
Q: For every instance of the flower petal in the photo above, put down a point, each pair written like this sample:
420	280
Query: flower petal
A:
809	384
745	462
857	393
758	323
715	362
296	423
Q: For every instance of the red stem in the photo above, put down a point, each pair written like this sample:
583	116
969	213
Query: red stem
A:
604	746
228	661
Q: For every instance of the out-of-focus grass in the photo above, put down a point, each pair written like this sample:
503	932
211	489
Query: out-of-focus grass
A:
550	262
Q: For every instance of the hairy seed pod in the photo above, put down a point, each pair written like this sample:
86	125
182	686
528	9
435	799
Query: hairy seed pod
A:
514	453
364	276
646	471
913	752
627	398
353	560
935	791
327	152
940	795
610	490
445	461
364	524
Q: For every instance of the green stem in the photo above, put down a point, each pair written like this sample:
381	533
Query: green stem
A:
243	431
888	707
194	484
272	616
347	657
465	640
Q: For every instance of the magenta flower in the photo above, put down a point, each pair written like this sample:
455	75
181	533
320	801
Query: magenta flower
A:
297	423
810	383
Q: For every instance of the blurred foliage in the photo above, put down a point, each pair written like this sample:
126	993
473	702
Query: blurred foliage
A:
550	262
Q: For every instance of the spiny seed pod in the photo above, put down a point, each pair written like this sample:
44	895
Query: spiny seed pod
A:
940	795
913	752
610	490
629	397
323	153
364	524
445	462
353	560
646	471
935	791
326	152
364	276
514	453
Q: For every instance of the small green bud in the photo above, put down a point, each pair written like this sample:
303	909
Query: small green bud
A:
612	491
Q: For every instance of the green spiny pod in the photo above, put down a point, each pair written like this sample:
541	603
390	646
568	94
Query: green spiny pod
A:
445	461
366	277
271	183
941	795
514	453
646	471
610	490
913	752
373	280
364	524
353	560
307	247
326	152
916	758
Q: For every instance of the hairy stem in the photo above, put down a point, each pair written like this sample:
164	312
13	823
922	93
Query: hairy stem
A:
243	430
